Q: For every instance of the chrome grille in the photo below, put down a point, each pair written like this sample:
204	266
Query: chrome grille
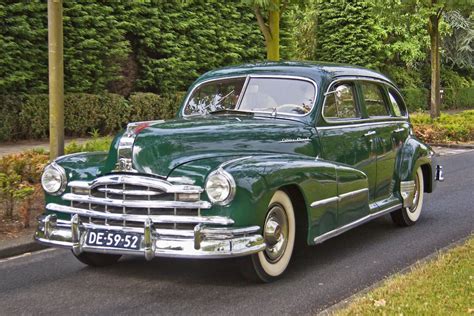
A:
136	197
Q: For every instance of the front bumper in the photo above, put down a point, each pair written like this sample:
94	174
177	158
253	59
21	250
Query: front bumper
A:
203	242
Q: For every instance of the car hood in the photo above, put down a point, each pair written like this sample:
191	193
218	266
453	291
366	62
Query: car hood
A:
163	146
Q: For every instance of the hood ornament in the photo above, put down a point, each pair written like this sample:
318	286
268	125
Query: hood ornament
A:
125	145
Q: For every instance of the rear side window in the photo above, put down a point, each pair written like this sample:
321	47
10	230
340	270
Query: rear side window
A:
340	103
397	105
374	100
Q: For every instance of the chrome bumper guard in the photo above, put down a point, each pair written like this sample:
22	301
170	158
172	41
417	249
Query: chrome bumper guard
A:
203	242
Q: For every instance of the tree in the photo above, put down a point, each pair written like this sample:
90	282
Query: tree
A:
348	32
459	45
268	14
433	11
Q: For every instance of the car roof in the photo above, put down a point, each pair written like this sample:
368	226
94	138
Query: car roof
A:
317	71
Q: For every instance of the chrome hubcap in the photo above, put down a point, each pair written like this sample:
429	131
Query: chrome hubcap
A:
276	233
416	195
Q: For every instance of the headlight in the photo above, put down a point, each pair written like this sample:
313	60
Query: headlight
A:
220	187
53	179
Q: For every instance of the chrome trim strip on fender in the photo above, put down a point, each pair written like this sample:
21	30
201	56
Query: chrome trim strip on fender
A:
339	197
352	193
325	201
360	221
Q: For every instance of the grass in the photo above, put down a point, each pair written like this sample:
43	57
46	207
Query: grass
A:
448	128
444	286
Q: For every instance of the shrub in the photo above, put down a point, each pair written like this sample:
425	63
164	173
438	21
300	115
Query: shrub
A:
19	180
149	106
416	99
447	128
114	113
10	106
96	144
33	116
462	98
403	77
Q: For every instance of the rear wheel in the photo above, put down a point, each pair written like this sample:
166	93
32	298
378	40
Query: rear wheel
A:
279	234
97	259
408	216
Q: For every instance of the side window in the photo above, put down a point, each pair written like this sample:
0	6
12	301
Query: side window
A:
373	99
397	105
340	103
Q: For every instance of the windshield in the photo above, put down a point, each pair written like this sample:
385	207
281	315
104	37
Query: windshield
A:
280	95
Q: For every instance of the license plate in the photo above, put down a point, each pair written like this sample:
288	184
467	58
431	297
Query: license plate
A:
106	238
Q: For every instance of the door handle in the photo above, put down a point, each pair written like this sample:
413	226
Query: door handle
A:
398	130
370	133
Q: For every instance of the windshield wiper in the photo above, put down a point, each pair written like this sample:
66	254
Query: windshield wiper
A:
231	111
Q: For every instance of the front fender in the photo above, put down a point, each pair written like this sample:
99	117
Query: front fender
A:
79	166
259	177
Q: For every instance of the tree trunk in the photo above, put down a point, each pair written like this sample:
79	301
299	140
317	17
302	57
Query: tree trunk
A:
435	96
273	43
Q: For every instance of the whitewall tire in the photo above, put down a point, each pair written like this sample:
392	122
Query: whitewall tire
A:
279	231
408	216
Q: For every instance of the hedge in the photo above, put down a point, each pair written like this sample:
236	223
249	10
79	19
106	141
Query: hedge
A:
453	98
26	116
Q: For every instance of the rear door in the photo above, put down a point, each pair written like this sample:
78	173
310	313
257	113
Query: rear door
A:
387	131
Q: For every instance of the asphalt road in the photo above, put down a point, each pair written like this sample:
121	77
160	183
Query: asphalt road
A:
53	282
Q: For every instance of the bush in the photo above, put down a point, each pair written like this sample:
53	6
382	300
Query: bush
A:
114	112
150	106
10	106
34	116
462	98
27	116
19	180
447	128
416	99
403	77
96	144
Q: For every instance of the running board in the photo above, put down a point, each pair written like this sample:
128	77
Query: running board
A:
360	221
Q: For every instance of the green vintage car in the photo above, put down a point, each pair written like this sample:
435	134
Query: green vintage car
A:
260	157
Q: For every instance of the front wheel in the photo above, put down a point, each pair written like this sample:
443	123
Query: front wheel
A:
408	216
97	259
279	234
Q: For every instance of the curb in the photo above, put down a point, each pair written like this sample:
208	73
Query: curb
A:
331	310
457	146
19	249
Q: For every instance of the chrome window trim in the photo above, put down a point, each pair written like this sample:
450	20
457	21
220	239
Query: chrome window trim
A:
366	122
358	78
244	88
